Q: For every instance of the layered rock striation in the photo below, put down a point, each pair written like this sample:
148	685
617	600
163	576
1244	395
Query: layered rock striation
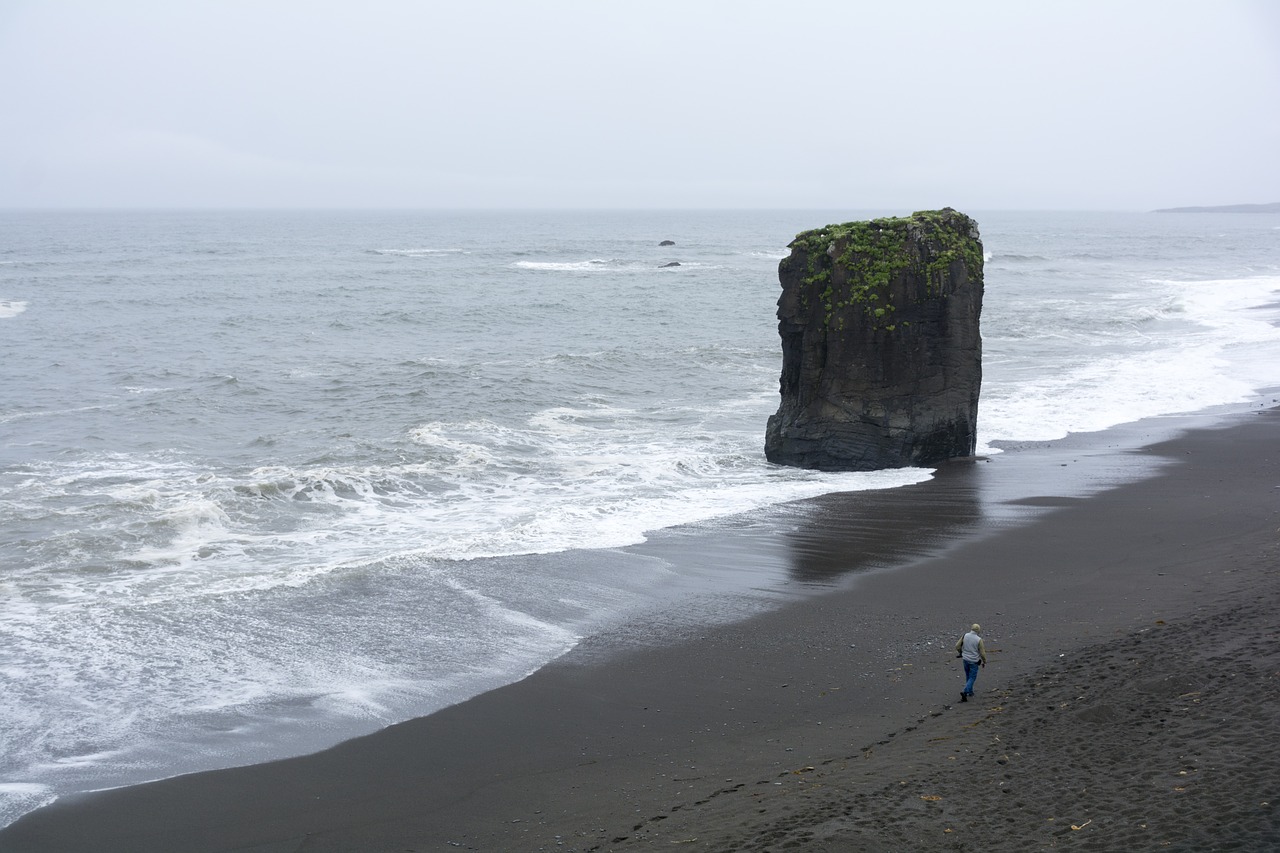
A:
881	348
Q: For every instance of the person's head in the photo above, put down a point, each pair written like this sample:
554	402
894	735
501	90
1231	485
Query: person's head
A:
977	629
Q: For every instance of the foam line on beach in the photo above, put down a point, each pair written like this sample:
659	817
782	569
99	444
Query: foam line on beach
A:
796	691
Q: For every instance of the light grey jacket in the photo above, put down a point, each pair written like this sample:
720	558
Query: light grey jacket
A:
971	648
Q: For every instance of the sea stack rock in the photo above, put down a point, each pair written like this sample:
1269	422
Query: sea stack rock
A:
881	351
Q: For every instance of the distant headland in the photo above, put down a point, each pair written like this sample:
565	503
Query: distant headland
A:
1273	207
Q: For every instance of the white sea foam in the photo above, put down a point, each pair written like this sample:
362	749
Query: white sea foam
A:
1131	371
989	256
1222	303
599	265
588	477
11	308
571	478
18	798
593	265
413	253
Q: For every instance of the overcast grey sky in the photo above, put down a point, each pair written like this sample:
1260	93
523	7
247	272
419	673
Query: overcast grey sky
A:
666	103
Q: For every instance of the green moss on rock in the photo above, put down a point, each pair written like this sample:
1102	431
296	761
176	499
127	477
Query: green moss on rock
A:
860	261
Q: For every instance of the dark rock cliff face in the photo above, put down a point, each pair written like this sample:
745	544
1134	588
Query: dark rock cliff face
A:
881	350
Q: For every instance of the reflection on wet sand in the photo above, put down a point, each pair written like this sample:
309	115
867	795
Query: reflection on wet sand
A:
857	531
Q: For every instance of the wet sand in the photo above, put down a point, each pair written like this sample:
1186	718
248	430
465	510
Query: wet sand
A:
1132	700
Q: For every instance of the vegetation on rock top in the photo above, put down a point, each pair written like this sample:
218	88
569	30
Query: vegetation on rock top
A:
876	252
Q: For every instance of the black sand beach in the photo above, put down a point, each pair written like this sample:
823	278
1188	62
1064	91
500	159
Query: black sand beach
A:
1132	701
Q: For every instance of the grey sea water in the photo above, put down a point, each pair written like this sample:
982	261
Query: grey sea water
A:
269	479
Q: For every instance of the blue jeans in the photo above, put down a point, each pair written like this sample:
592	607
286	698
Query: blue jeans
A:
970	676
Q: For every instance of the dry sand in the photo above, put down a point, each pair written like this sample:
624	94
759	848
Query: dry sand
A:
1130	702
1163	740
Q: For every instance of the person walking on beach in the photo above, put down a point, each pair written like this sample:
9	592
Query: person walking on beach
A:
971	649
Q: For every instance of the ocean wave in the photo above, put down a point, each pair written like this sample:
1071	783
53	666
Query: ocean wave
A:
415	253
613	265
1012	257
1164	348
333	485
593	265
11	417
11	309
1097	394
162	528
234	676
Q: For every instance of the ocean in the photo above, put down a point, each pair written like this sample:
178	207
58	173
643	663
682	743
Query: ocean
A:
272	479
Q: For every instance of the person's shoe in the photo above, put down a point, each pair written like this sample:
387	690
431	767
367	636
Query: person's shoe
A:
964	697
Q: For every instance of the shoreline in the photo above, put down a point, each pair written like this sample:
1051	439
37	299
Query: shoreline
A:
625	743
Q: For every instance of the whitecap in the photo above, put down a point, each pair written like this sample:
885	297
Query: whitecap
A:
593	265
414	253
11	309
